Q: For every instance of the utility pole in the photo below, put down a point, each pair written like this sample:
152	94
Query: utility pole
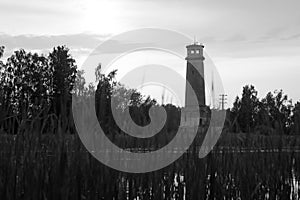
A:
223	99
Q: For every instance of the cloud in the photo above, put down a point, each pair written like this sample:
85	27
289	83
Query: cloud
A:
115	47
9	8
292	37
76	41
236	38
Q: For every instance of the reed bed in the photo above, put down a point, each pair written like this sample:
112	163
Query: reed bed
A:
34	166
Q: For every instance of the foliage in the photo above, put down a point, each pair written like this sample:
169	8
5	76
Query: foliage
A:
296	118
39	86
270	115
246	109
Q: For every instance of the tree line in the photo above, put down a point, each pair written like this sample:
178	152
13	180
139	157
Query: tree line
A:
38	89
273	114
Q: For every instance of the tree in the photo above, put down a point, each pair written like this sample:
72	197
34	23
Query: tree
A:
103	94
246	109
27	82
125	100
233	116
25	88
64	72
277	109
79	86
296	119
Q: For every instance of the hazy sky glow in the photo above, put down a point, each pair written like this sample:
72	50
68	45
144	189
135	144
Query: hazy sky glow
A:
251	42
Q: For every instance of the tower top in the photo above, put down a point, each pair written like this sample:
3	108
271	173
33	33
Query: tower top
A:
195	51
196	44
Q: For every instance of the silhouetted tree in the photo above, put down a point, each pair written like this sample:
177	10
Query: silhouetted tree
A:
64	74
79	86
30	76
278	110
296	119
234	116
103	97
246	109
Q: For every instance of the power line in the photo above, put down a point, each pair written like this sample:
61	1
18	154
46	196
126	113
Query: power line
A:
223	99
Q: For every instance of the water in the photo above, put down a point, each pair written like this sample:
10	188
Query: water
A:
55	171
243	175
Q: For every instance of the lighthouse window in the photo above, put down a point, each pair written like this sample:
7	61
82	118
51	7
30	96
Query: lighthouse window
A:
192	51
197	51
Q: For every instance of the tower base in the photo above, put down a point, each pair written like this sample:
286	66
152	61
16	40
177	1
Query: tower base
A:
190	118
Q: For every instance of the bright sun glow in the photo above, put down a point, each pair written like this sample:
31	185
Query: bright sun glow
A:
102	16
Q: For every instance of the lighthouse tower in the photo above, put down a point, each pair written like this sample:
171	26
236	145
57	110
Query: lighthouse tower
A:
195	74
195	78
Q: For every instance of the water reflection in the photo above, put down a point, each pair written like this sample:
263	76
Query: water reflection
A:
220	176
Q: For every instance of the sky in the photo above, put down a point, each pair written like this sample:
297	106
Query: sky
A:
250	42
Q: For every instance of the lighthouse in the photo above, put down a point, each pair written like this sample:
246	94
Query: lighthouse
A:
195	74
195	78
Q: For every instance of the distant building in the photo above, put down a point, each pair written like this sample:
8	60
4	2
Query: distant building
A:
195	78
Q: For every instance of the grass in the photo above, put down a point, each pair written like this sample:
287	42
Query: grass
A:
44	166
51	167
